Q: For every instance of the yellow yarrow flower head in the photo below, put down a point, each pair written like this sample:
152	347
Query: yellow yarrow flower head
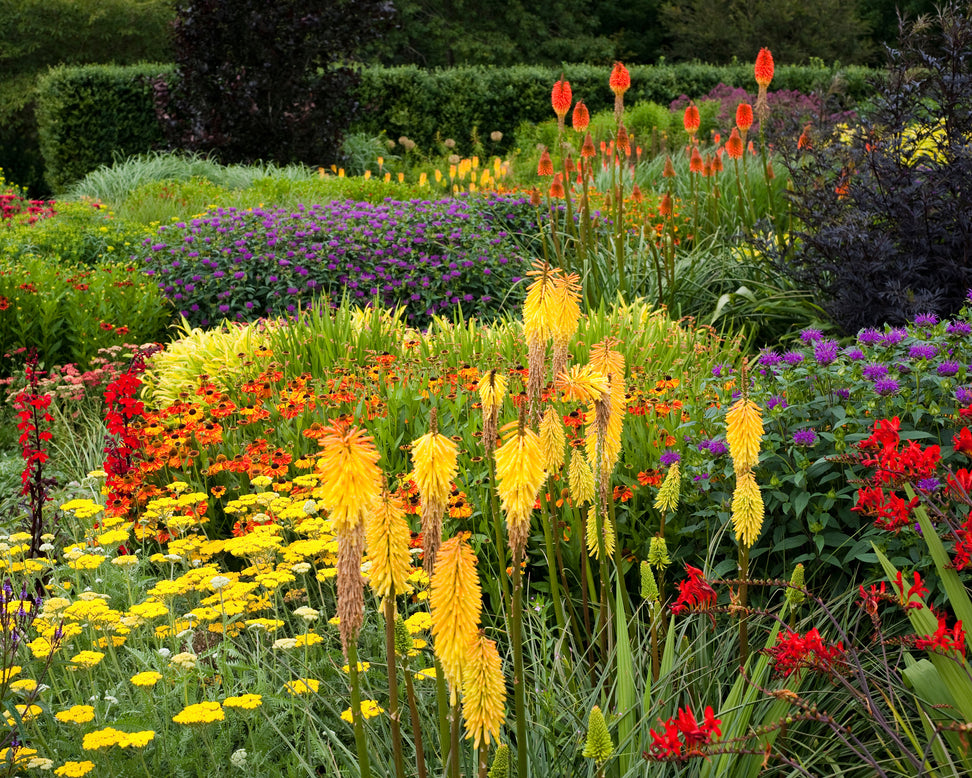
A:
77	714
667	499
350	477
747	509
386	538
74	769
744	431
455	600
520	474
607	528
200	713
598	745
552	440
501	763
483	691
580	478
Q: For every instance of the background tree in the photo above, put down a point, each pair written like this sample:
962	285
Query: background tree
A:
715	31
266	80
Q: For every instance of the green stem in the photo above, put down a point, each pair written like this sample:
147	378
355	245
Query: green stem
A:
393	714
360	739
454	741
498	532
551	572
519	691
416	721
743	595
442	703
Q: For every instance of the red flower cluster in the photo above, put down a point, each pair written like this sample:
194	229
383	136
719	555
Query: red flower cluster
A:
794	652
122	410
13	206
694	594
683	736
32	412
944	639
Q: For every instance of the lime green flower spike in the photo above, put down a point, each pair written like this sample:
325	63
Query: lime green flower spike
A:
598	745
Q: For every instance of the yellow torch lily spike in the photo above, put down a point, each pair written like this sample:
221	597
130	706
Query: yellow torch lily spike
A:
387	535
667	499
744	431
350	477
582	383
455	600
580	478
520	474
564	324
539	314
552	440
747	509
492	390
434	465
483	692
609	536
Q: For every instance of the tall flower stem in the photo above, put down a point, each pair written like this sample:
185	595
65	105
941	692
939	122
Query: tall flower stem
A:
393	714
552	573
498	533
519	691
743	597
454	719
360	739
416	721
442	705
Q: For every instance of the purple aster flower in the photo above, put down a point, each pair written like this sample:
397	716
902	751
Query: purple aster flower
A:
958	328
669	458
805	437
810	335
774	401
926	320
793	358
923	351
886	386
825	351
874	371
947	369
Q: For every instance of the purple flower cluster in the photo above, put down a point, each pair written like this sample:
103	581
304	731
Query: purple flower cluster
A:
716	446
428	256
805	437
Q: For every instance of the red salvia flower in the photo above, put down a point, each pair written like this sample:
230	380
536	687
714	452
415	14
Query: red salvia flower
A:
561	98
691	120
764	68
744	117
734	146
581	117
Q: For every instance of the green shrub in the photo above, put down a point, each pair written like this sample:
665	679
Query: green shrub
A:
90	115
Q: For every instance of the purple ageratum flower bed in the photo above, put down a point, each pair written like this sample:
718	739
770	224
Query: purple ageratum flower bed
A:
427	256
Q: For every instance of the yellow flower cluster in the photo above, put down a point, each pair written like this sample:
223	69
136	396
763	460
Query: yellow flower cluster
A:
74	769
302	686
77	714
147	678
244	702
200	713
369	709
108	737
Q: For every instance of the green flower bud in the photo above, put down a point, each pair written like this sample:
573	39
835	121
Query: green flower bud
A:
501	762
403	640
658	553
794	596
649	589
598	745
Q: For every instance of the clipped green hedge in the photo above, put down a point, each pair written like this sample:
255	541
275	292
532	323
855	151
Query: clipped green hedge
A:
431	105
89	115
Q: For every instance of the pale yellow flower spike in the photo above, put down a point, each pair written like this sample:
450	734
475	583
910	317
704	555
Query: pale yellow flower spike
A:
667	499
350	477
609	536
747	509
455	601
520	474
540	308
580	479
434	463
568	314
552	440
744	429
387	536
492	390
483	692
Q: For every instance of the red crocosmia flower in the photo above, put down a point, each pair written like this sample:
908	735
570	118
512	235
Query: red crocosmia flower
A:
695	593
561	98
961	482
696	164
620	79
764	67
917	589
744	117
963	441
944	639
545	165
691	120
794	652
669	170
581	117
734	146
684	736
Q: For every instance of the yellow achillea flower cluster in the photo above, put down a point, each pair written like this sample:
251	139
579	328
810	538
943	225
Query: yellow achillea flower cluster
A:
552	440
302	686
520	474
369	709
580	478
386	538
607	527
87	659
74	769
148	678
667	499
455	601
108	737
200	713
483	691
434	465
77	714
244	701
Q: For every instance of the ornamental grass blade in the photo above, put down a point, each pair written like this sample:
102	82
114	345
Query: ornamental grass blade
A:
624	674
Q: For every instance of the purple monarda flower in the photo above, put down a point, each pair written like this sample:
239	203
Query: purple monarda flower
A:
669	458
958	328
923	351
776	401
805	437
874	371
810	335
717	447
825	351
869	337
964	395
769	358
793	358
894	337
886	386
948	369
926	320
854	353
